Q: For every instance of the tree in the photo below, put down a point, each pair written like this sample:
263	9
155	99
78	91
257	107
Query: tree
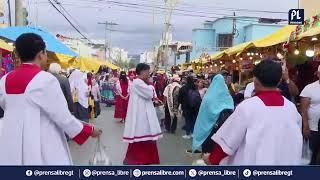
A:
122	64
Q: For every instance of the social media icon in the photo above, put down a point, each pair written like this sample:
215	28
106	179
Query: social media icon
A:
192	173
247	173
29	173
136	173
87	173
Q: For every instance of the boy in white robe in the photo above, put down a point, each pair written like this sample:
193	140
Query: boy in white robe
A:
263	130
142	128
36	115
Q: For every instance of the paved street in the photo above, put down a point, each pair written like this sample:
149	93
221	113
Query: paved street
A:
171	147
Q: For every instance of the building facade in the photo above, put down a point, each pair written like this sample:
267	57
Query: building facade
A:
148	57
311	7
116	54
226	32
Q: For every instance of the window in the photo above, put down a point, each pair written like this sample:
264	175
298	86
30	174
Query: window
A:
224	41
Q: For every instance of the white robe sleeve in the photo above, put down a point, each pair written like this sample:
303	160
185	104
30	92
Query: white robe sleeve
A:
118	88
143	90
232	132
49	97
129	86
2	93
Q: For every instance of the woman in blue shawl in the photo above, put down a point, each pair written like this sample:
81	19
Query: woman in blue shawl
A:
216	100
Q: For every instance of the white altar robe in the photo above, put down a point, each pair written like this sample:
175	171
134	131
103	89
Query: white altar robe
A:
142	122
35	123
256	134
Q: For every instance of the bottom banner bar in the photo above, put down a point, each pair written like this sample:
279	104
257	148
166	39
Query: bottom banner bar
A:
151	172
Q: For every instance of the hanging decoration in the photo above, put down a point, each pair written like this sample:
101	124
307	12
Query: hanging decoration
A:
306	25
316	21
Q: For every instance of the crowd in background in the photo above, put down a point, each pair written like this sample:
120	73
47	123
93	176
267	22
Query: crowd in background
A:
204	101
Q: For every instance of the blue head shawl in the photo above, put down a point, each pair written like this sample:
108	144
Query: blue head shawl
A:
214	102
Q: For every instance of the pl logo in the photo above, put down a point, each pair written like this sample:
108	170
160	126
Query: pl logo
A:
296	17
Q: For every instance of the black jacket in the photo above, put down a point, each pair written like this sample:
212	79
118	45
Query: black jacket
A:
65	87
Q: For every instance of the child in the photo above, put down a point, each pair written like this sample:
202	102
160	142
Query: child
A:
96	96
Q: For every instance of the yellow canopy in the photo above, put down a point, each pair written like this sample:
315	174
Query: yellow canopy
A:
238	48
110	65
217	55
91	64
280	36
161	71
4	45
87	64
64	60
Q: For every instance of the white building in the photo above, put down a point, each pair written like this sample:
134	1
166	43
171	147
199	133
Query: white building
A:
83	47
117	54
148	57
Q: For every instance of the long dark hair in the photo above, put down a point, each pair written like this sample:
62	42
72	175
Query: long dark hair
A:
123	76
190	83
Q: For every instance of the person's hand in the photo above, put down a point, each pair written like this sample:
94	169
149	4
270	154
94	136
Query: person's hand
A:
205	158
285	75
306	132
96	132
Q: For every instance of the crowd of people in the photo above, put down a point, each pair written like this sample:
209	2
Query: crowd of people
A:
267	123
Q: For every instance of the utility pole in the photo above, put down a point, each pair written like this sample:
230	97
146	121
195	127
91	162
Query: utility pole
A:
9	16
155	55
234	35
106	44
170	6
234	27
18	13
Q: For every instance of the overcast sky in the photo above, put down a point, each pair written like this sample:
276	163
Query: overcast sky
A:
136	31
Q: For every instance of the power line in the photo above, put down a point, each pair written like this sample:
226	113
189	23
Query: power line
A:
159	6
70	22
75	20
148	11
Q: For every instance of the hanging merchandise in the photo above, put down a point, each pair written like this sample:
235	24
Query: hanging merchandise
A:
316	21
306	25
7	65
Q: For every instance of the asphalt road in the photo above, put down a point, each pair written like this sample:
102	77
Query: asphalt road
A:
171	147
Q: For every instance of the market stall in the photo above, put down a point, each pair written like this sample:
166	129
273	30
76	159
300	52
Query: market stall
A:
91	64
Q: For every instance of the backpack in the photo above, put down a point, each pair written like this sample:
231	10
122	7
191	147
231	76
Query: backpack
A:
194	99
224	115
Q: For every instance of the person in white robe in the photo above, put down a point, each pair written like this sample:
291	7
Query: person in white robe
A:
264	129
142	128
171	95
81	91
36	116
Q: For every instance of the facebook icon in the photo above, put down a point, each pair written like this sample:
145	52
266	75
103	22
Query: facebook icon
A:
296	17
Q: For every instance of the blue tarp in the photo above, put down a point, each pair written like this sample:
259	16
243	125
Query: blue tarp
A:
52	43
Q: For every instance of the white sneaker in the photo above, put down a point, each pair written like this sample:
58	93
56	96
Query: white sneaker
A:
186	137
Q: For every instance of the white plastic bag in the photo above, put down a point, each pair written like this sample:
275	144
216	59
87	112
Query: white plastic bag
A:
160	112
306	153
100	157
